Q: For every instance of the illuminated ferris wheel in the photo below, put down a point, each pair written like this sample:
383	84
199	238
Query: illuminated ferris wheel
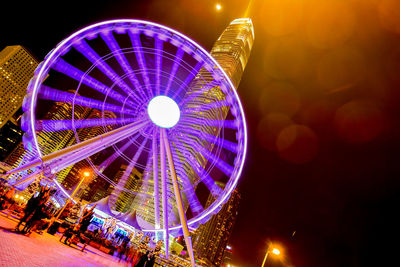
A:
162	106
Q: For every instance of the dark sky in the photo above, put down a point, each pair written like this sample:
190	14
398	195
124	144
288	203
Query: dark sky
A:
320	93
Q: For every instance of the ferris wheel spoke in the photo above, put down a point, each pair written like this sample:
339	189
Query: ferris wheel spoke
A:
188	79
140	57
93	57
76	74
104	165
125	177
61	125
222	165
199	170
159	50
123	62
231	146
174	69
194	202
48	93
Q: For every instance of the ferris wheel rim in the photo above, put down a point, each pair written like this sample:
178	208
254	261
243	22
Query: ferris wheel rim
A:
57	52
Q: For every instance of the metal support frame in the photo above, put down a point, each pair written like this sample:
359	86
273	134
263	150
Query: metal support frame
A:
68	156
178	197
156	183
164	194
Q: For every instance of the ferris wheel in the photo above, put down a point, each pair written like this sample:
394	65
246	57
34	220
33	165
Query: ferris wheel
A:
142	95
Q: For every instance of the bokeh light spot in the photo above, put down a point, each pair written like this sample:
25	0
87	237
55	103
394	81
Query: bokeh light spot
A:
330	23
279	97
281	17
269	128
389	15
359	121
340	69
297	144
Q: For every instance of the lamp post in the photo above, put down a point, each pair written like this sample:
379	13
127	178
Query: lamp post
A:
85	174
273	251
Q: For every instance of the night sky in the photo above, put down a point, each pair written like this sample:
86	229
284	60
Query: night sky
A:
320	94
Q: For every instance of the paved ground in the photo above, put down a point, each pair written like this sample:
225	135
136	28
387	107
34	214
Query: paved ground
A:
45	250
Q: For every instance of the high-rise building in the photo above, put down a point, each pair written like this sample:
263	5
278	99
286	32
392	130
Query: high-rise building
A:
123	200
233	47
49	141
211	239
231	50
16	69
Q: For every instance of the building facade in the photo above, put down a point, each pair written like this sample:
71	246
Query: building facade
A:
17	66
232	51
211	239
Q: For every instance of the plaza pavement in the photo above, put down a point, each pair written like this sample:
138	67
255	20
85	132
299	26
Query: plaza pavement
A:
45	250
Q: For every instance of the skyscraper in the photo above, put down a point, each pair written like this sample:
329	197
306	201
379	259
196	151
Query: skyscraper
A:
210	239
232	51
49	141
16	69
233	47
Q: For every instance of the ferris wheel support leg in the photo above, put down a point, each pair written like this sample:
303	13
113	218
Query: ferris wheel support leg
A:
179	203
164	194
156	184
28	178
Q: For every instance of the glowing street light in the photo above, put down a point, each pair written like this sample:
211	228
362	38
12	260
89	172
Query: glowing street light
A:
276	251
85	175
273	250
218	7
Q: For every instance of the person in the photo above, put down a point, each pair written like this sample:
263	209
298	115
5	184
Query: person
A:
29	210
143	252
152	255
86	219
68	233
38	214
122	249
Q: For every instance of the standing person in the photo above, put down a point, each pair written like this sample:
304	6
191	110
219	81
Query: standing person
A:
29	210
143	252
38	214
122	250
153	254
86	219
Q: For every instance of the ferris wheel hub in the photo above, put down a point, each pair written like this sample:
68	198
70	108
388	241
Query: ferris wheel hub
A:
163	111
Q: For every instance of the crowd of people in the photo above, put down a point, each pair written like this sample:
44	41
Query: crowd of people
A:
37	215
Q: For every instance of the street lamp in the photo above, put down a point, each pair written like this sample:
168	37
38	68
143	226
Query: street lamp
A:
85	174
218	7
273	250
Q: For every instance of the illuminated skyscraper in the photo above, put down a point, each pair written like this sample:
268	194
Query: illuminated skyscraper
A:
49	141
16	69
123	200
210	239
231	50
233	47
